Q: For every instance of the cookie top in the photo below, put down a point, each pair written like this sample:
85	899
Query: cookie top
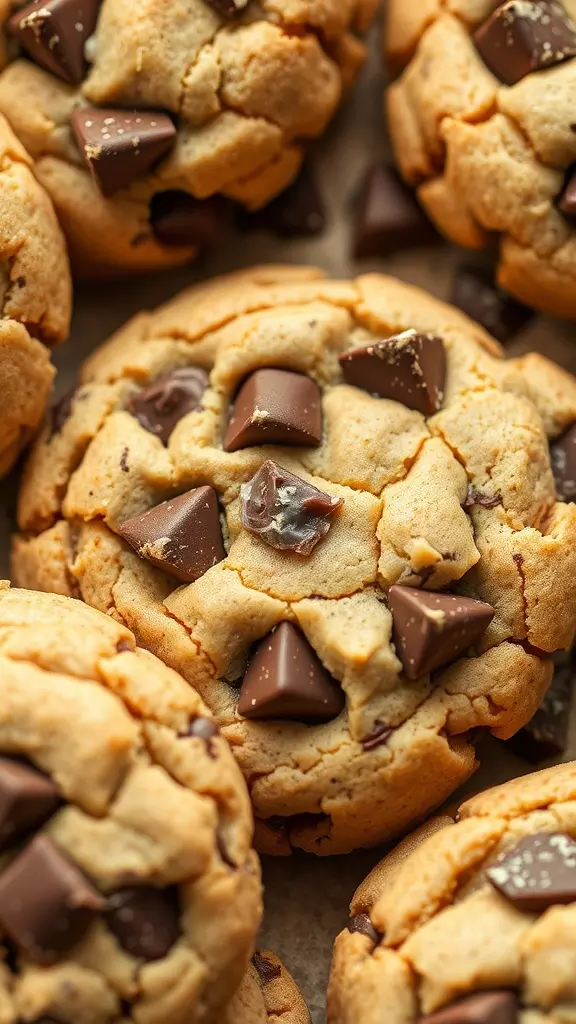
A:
268	991
128	889
254	479
469	923
136	113
481	120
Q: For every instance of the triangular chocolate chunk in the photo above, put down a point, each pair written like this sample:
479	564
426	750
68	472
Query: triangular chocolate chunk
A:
537	873
27	799
431	629
409	368
182	536
53	33
286	679
121	146
275	407
519	38
498	1007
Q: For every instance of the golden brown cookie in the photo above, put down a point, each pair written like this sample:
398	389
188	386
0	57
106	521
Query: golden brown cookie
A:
268	992
227	483
128	887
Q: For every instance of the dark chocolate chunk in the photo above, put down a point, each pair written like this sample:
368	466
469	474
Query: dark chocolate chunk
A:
120	146
162	404
479	498
227	8
431	629
286	679
361	923
46	903
27	799
177	218
145	921
183	536
409	368
389	217
522	36
482	1008
563	460
298	212
54	32
546	734
267	970
538	872
60	413
286	512
567	200
275	407
475	292
378	737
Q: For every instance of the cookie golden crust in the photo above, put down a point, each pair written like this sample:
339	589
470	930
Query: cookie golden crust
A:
148	807
486	157
268	992
245	92
35	294
429	928
460	501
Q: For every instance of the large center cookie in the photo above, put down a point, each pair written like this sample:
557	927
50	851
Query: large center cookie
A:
138	112
331	506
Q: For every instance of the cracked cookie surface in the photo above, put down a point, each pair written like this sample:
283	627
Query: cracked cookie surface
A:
267	993
132	825
488	142
473	921
120	507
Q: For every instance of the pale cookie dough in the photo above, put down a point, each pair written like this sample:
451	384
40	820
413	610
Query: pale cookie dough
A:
245	93
460	910
35	294
489	159
124	800
461	501
268	993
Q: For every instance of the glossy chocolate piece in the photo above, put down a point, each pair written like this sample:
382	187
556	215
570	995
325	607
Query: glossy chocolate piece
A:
539	872
563	460
275	407
522	36
54	32
27	799
145	921
475	292
179	219
389	217
409	368
163	403
362	924
378	737
500	1007
120	146
267	971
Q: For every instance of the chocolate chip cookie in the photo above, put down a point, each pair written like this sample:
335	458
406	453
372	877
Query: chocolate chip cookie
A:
472	922
482	124
128	889
268	992
146	119
331	506
35	294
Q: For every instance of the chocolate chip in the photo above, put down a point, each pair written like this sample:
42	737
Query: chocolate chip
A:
378	737
124	460
522	36
482	1008
475	292
124	645
162	404
474	498
563	461
546	734
227	8
177	218
286	512
298	212
145	921
267	970
432	630
409	368
275	407
538	872
53	33
27	799
46	903
121	146
388	217
204	729
567	200
60	413
182	536
362	924
286	679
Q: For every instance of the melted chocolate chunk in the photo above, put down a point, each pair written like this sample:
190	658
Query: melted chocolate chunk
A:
120	146
378	737
145	921
27	799
522	36
275	407
362	924
409	368
475	292
539	872
498	1007
389	217
563	460
267	970
54	32
479	498
163	403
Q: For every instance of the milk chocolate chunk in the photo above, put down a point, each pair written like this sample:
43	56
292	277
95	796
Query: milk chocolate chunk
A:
499	1007
286	679
361	923
522	36
563	460
538	872
567	201
182	536
286	512
432	629
475	292
54	32
409	368
389	217
46	903
27	799
161	405
120	146
177	218
275	407
145	921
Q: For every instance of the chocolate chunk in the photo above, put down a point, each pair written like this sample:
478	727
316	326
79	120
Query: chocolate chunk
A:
475	292
299	212
479	498
182	536
275	407
227	8
431	629
378	737
178	218
267	970
538	872
124	645
204	729
46	903
482	1008
567	200
161	405
409	368
60	413
27	799
120	146
145	921
361	923
286	679
546	734
389	217
563	461
53	33
286	512
522	36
